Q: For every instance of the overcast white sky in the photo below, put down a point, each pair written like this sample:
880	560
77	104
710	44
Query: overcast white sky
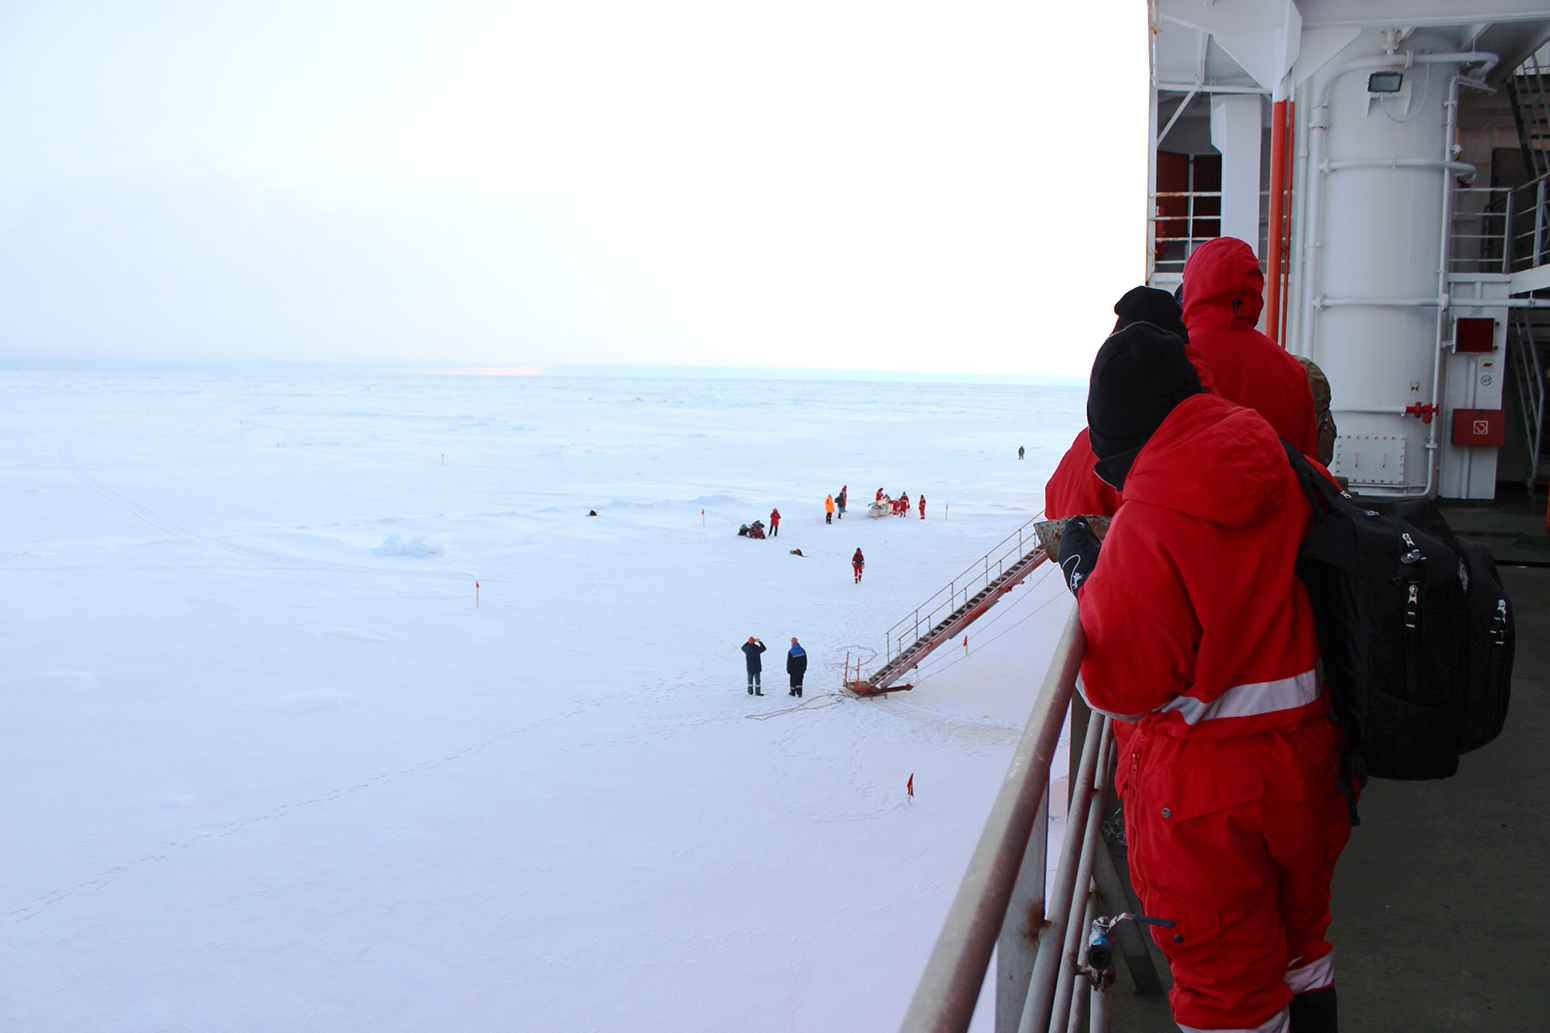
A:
910	186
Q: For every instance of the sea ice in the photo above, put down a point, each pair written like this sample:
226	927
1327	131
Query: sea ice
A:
270	771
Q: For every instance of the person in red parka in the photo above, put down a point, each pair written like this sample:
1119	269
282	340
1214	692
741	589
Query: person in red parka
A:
1223	295
1073	488
774	523
922	507
1201	646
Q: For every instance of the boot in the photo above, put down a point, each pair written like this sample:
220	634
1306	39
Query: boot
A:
758	692
1314	1012
750	690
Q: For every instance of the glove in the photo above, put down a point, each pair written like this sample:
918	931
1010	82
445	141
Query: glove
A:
1078	553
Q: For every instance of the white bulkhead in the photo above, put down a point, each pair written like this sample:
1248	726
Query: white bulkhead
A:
1362	99
1373	288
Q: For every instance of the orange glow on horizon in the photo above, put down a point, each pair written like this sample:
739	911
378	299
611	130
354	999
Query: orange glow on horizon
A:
491	371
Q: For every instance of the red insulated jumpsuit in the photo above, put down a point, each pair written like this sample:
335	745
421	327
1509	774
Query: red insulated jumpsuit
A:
1223	294
1200	633
1074	490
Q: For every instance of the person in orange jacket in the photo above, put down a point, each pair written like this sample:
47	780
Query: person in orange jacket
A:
828	509
774	523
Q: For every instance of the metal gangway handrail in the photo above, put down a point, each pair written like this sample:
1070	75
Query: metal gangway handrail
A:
1043	980
1002	557
1512	224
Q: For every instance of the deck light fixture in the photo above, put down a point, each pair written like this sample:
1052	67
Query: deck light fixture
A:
1385	82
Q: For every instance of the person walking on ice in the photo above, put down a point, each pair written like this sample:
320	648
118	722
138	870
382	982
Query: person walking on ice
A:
796	666
922	507
828	509
751	649
857	562
774	523
840	499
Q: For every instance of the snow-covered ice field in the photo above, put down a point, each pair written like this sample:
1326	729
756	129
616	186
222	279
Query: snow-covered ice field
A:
268	766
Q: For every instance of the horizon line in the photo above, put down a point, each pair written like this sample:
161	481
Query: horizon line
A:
600	371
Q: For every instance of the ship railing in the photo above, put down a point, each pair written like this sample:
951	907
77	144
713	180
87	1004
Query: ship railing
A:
1501	229
1039	934
1187	218
1002	557
1198	214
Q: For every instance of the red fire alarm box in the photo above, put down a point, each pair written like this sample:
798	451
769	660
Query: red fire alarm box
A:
1479	426
1474	335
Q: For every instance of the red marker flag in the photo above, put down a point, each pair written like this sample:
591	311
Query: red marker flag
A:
909	786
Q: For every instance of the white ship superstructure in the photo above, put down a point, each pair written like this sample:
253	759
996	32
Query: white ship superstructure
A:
1387	162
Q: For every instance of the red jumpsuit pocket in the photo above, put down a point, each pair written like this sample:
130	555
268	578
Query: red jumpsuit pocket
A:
1184	791
1195	832
1195	927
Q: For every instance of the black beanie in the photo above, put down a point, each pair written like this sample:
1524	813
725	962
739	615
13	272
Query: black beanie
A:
1140	374
1150	305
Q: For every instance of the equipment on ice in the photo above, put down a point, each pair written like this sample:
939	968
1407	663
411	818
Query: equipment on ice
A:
880	507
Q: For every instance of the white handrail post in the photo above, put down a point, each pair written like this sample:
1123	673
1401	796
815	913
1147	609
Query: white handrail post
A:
1018	943
1539	222
1507	235
950	986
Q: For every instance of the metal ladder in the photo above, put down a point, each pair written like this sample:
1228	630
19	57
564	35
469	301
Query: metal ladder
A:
940	618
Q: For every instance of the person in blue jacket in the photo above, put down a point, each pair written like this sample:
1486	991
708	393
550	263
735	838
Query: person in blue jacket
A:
796	666
751	649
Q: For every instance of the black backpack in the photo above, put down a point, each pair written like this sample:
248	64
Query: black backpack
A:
1414	626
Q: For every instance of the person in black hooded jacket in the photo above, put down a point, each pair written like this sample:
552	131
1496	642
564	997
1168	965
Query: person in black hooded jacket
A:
796	666
751	650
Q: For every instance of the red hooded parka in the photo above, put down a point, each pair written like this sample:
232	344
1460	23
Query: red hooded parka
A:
1074	490
1223	295
1200	633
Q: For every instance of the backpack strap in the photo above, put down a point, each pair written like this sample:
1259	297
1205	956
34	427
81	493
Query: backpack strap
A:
1323	494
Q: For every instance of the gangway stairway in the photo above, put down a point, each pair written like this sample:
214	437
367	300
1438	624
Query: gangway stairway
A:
942	617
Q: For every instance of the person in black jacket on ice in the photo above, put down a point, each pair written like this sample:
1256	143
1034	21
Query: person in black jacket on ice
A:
751	649
796	666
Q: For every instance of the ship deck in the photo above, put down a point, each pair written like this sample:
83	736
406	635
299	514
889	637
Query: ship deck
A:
1442	898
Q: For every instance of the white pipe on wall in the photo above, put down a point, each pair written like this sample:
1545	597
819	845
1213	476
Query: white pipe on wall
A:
1443	248
1318	166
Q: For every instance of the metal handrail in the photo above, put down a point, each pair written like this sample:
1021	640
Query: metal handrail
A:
1001	557
1526	205
950	986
